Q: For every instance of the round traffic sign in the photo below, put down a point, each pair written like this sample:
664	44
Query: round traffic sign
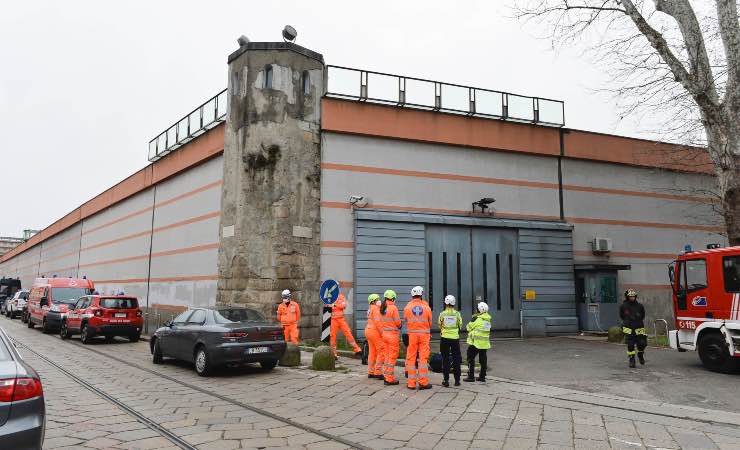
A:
329	291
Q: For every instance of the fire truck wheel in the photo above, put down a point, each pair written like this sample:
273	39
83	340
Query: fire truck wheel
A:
714	353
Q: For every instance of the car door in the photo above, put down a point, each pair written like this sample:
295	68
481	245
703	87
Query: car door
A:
169	336
190	332
692	295
74	316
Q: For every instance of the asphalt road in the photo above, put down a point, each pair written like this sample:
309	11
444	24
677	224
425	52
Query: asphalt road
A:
601	367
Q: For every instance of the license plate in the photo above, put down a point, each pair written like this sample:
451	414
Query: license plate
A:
253	350
119	315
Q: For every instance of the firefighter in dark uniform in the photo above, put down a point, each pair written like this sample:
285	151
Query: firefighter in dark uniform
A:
632	314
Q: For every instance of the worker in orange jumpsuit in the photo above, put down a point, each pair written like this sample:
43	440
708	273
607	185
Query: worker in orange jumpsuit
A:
339	324
289	313
374	336
391	322
418	317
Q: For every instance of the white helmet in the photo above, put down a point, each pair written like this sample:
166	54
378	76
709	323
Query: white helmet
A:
286	294
482	307
418	291
450	300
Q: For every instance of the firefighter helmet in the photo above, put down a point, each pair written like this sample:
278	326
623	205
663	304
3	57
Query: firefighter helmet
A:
418	291
630	292
450	300
390	294
372	298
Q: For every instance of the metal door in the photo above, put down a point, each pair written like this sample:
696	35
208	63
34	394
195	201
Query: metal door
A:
496	275
448	268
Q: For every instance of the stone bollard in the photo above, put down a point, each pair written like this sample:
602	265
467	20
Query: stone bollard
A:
323	359
291	357
615	334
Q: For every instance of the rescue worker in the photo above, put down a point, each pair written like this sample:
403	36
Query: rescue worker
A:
391	322
288	314
479	331
450	322
339	324
632	314
418	317
374	336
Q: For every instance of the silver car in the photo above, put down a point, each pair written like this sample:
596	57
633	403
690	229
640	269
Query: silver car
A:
22	408
15	306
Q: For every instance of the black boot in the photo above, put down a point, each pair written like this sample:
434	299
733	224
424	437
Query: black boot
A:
446	383
481	379
470	378
641	358
457	382
632	362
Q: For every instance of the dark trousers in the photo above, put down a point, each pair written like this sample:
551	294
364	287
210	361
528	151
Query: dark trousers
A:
482	358
450	348
635	340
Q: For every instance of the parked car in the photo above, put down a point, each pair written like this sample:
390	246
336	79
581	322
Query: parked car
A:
16	305
22	408
8	288
50	299
103	315
213	337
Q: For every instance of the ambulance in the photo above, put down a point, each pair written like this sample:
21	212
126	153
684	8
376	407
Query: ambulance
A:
706	305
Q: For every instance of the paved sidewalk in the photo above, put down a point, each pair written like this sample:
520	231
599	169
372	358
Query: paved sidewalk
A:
499	414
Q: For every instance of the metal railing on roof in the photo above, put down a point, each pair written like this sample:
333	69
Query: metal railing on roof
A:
201	119
410	92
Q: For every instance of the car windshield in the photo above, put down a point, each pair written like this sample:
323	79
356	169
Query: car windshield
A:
119	303
24	295
235	315
67	296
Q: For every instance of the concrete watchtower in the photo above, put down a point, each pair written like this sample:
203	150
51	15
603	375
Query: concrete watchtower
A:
270	216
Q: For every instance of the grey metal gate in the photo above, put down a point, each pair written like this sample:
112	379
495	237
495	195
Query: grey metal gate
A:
474	265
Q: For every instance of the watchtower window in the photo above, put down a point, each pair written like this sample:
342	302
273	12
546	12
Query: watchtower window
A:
268	77
306	83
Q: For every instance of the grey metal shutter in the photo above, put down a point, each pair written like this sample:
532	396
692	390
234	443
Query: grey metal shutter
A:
546	266
388	255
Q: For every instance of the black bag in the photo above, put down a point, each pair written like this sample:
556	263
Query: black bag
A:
435	362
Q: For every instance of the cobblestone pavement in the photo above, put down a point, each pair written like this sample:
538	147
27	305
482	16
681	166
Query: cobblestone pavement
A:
222	411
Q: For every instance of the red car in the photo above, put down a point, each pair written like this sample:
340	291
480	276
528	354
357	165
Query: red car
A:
104	315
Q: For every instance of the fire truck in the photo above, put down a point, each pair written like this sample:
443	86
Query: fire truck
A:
706	305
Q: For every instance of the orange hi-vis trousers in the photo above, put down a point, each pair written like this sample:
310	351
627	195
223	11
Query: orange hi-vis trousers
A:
392	346
418	343
290	330
339	324
376	354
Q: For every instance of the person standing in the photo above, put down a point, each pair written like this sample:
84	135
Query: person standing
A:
479	331
288	314
450	322
339	324
632	314
391	321
374	336
418	317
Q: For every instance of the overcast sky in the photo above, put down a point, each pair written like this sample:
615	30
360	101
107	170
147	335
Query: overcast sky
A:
84	85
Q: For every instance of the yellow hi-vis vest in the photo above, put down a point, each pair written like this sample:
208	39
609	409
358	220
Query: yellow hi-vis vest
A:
479	332
450	322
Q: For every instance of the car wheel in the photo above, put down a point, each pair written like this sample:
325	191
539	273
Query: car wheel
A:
269	364
44	326
157	353
109	339
134	337
202	363
64	331
24	318
30	323
714	353
85	335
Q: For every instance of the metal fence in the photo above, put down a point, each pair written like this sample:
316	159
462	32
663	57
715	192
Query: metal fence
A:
410	92
197	122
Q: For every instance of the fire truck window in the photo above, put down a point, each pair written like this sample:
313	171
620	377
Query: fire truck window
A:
731	272
696	274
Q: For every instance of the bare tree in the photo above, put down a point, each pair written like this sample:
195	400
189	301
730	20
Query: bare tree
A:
676	56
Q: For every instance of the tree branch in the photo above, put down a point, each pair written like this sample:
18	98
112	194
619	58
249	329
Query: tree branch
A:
730	32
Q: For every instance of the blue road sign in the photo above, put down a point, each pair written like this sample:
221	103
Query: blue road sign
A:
329	291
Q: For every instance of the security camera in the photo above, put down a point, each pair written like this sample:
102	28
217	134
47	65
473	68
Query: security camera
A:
243	40
358	201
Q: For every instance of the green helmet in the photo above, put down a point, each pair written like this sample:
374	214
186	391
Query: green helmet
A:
372	298
390	293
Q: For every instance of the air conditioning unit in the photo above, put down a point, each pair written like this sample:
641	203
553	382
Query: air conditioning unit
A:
601	245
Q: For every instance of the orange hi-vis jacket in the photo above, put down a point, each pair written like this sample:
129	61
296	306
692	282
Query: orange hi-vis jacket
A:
418	317
337	310
289	314
391	320
374	320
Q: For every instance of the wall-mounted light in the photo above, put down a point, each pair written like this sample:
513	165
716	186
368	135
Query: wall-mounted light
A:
289	34
483	204
358	201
